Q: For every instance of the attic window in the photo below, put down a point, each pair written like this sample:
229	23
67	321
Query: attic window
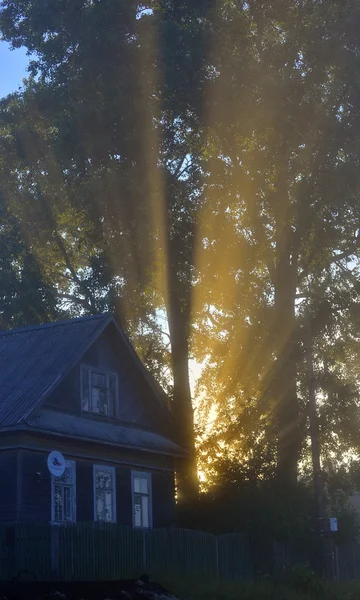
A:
98	391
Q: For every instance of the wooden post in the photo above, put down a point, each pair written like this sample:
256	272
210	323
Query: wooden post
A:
144	550
217	557
54	541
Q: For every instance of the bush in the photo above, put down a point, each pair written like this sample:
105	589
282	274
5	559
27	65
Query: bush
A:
304	586
303	579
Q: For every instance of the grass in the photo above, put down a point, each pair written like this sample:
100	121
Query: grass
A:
199	589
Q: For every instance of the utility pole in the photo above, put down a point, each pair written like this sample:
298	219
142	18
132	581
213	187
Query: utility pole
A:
315	454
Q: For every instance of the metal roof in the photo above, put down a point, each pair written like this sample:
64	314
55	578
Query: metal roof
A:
81	426
34	359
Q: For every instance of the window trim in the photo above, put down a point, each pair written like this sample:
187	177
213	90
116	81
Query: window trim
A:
112	470
72	465
144	475
89	370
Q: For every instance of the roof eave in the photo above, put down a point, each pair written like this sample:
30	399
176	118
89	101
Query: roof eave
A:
37	430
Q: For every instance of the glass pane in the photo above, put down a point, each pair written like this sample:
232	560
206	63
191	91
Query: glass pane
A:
98	380
85	390
103	479
85	399
104	407
104	506
140	485
137	511
111	403
58	503
108	502
98	401
112	383
85	402
99	505
67	476
145	511
67	504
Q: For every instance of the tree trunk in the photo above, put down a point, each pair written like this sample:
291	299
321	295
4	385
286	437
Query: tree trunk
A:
286	401
182	410
287	411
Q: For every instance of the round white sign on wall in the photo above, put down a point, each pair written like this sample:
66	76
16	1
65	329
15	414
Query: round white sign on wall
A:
56	463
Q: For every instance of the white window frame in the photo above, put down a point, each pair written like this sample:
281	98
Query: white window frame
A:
147	476
86	371
72	465
113	477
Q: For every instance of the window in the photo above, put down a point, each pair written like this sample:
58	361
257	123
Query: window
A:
141	492
104	494
98	392
63	495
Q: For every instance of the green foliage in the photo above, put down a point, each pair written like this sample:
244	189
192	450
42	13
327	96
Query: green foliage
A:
304	580
247	502
196	589
262	509
277	226
199	160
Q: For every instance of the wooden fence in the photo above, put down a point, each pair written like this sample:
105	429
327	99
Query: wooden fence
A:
92	551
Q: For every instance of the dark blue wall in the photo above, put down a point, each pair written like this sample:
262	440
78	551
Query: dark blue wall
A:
35	501
163	499
8	485
135	401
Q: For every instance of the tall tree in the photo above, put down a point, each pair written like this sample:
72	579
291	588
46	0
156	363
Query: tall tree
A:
120	90
288	174
202	159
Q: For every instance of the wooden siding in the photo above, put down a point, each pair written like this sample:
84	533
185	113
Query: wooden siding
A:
163	499
35	501
8	485
84	490
87	450
136	402
34	506
123	496
103	354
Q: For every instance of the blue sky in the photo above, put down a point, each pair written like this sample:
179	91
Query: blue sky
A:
13	65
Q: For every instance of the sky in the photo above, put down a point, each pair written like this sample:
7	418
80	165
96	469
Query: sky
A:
13	65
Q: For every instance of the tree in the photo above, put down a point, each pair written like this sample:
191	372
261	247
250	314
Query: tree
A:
284	188
131	167
27	297
214	147
72	253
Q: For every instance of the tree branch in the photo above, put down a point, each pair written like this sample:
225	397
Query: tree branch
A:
74	299
76	278
347	254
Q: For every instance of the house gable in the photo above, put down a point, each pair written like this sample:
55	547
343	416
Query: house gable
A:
41	409
34	360
136	401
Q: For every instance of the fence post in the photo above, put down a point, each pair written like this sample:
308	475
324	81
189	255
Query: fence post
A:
144	550
217	557
54	541
337	573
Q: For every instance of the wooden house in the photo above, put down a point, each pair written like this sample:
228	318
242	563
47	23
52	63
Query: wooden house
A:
78	387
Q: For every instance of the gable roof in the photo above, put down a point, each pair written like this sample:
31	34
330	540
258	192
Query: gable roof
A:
34	360
108	432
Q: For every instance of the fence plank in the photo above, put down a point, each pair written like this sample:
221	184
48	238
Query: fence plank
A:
99	551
